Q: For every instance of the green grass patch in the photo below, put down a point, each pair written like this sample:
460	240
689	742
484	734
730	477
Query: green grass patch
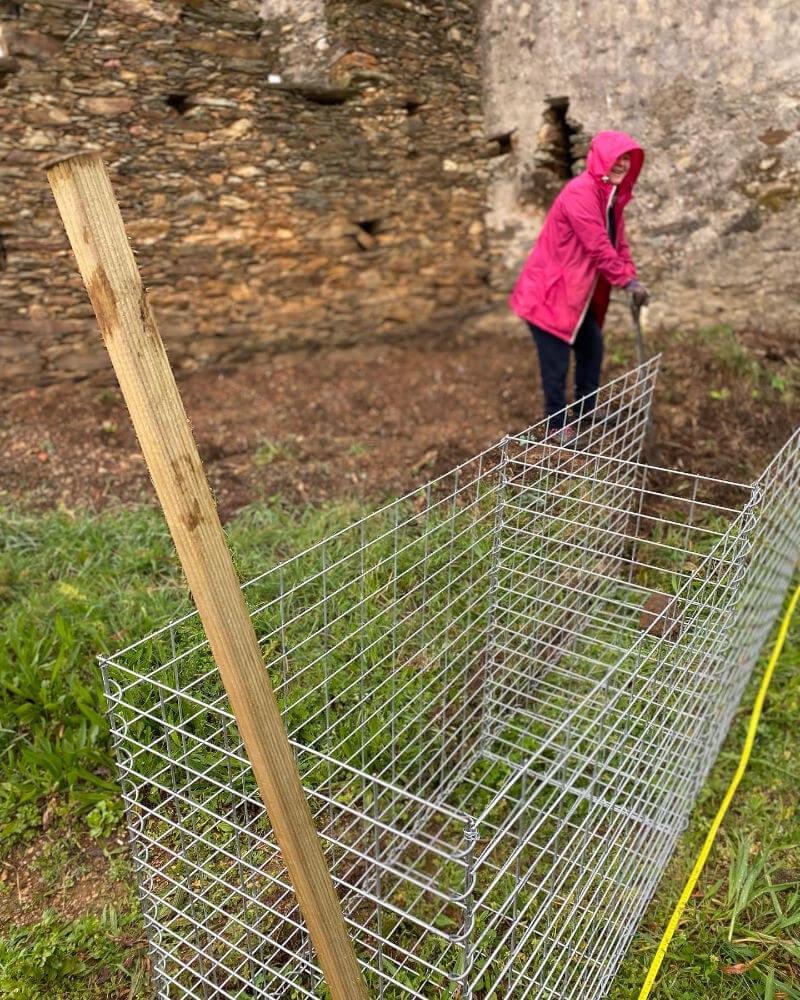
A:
72	586
736	366
269	452
739	937
91	957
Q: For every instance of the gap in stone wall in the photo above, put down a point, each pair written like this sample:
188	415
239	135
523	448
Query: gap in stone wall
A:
8	65
502	143
321	93
554	150
559	155
367	232
178	102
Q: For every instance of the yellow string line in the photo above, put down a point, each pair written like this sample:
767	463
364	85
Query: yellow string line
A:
752	728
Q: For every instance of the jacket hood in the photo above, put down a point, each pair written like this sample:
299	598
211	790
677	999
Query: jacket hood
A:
605	150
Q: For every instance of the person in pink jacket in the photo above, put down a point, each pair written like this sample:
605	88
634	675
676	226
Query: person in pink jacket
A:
563	290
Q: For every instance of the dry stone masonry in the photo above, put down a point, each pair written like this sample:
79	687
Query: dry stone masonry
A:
329	171
291	171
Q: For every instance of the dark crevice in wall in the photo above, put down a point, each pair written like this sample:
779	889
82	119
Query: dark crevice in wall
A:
502	143
178	102
8	65
3	252
555	151
560	155
366	233
319	93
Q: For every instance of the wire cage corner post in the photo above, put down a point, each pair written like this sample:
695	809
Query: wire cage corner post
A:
492	649
133	818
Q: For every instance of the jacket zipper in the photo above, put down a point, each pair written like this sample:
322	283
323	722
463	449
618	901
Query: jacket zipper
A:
594	283
583	314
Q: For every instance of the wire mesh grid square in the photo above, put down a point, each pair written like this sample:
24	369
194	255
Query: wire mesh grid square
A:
504	691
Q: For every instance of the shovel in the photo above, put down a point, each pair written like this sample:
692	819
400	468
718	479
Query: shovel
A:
650	449
636	310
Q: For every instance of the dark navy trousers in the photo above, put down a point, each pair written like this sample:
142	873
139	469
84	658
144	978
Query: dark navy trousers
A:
554	364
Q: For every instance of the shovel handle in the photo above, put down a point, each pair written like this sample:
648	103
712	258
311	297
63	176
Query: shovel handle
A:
636	310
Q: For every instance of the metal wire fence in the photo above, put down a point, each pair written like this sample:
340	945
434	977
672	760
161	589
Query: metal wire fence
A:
504	691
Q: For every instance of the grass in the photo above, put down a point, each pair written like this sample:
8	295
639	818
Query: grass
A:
269	452
75	585
739	936
736	365
69	588
735	370
90	957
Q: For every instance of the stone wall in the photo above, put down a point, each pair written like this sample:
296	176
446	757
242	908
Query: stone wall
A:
711	90
318	171
290	171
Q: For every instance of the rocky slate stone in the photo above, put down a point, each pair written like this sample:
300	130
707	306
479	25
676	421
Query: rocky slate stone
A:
273	192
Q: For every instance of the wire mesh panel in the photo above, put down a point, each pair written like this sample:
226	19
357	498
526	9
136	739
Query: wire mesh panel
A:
601	684
503	690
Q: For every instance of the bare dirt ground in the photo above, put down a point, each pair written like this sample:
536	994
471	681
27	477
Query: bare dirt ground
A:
38	878
377	420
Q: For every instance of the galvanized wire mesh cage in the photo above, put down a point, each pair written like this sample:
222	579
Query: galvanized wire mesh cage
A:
504	690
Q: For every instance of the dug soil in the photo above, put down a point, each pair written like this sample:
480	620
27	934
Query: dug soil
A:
377	420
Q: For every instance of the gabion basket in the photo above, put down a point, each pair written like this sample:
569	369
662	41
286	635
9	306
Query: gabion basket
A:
504	691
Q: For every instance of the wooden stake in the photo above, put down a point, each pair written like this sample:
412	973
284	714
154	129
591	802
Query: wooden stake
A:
93	222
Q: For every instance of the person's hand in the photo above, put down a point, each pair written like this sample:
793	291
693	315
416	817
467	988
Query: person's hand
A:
639	294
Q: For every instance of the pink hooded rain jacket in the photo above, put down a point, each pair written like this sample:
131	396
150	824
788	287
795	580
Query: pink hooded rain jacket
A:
573	263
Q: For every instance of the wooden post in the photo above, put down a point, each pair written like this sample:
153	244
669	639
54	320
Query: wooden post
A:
93	222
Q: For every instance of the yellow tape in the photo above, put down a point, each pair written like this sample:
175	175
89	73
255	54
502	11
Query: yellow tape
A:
755	716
